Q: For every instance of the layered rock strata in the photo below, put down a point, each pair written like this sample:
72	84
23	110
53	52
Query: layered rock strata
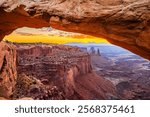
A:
66	67
46	71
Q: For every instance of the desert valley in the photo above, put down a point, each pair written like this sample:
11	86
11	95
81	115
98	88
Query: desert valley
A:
72	71
64	50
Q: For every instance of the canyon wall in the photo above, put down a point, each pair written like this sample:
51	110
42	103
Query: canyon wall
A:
122	22
8	73
47	71
65	67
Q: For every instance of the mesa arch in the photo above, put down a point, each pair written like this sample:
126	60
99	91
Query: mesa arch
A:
122	22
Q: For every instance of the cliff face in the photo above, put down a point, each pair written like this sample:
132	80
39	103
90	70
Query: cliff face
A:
51	60
29	87
8	73
122	22
65	67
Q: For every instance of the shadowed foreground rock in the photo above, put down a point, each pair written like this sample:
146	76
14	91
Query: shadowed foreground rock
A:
122	22
8	73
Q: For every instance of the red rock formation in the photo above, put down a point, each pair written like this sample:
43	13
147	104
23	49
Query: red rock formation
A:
28	87
65	67
122	22
36	51
133	90
91	86
8	73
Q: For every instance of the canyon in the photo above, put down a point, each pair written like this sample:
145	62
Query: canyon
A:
49	71
33	71
129	72
122	22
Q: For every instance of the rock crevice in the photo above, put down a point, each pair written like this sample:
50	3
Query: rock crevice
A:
8	73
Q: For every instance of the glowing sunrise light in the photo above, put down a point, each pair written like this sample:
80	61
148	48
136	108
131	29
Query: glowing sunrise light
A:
27	35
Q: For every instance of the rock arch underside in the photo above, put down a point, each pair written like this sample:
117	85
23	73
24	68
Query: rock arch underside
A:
122	22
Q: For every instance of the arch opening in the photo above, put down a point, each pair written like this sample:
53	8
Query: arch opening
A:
40	56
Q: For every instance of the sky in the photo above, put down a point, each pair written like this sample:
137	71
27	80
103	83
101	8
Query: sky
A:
50	35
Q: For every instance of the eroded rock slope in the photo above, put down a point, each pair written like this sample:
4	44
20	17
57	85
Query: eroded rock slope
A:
47	71
65	67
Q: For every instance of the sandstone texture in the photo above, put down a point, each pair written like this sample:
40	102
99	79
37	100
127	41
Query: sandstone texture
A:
8	73
49	72
30	88
64	67
122	22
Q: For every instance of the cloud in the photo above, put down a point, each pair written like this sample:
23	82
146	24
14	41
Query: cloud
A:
27	34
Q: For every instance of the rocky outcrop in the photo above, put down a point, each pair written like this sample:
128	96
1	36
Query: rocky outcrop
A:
28	87
94	51
65	67
130	90
8	73
122	22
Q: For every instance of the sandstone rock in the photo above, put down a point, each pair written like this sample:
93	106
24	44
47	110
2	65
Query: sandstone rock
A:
91	86
28	88
122	22
132	90
26	98
8	73
2	98
66	69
